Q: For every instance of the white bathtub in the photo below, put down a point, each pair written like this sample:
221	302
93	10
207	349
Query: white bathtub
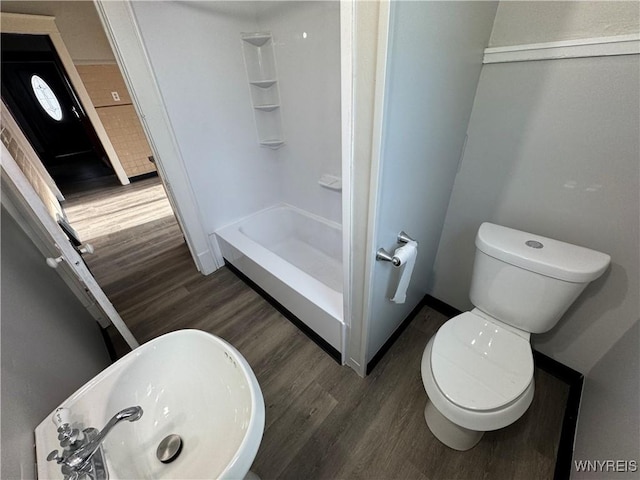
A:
296	257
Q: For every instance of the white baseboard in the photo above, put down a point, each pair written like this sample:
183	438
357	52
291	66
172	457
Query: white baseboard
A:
207	262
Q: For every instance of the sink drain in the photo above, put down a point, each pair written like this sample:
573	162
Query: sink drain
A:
169	448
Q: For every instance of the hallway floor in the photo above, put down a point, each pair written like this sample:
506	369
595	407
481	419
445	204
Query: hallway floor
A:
322	420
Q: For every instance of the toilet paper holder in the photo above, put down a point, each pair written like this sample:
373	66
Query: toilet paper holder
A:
384	256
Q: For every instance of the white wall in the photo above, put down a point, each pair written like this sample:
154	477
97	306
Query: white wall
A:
200	70
196	53
433	63
535	22
553	149
50	346
309	80
78	24
609	421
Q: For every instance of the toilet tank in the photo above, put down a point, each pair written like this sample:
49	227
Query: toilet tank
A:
529	281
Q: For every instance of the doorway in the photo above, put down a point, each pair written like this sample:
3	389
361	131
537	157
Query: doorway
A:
37	90
42	90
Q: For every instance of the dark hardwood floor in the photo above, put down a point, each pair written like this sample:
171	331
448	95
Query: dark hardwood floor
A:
322	420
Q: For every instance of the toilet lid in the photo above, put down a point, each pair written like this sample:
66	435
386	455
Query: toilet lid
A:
479	365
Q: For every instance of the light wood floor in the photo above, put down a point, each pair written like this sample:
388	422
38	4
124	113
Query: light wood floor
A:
322	420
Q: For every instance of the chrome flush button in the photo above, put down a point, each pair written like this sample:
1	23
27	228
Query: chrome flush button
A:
533	244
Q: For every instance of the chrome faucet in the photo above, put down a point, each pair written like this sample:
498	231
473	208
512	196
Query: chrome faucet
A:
78	458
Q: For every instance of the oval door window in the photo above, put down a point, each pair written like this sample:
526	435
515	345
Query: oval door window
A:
47	99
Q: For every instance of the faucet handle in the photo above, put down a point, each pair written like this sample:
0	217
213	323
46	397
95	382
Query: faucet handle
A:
54	456
69	436
61	417
66	435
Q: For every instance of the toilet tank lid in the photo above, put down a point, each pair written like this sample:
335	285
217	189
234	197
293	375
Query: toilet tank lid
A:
542	255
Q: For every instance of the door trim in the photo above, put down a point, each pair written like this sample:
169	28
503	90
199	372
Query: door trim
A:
122	31
46	233
369	25
384	27
347	32
45	25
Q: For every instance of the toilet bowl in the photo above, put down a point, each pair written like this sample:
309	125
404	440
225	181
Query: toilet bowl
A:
483	391
478	368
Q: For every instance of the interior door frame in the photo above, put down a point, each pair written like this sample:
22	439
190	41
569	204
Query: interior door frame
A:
347	56
46	25
366	204
122	31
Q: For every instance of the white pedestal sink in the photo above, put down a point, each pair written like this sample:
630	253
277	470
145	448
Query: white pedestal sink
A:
188	383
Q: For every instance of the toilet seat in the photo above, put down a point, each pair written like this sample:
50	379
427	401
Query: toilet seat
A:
478	364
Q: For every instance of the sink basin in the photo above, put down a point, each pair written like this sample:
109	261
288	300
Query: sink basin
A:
188	383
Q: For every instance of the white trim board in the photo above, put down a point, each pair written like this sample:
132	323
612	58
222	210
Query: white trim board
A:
382	52
580	48
347	52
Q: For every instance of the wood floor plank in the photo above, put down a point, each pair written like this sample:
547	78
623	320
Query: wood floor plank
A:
290	433
322	420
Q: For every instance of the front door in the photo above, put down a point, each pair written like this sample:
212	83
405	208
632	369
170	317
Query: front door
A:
36	90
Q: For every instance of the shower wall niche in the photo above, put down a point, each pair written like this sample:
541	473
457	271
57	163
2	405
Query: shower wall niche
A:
260	63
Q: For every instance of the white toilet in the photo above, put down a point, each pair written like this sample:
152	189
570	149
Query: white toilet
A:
478	367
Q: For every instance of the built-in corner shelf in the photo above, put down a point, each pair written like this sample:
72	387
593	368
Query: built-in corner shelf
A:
266	108
272	143
263	83
256	39
260	62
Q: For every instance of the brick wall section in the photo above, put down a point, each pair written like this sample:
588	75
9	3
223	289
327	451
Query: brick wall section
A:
12	141
128	138
100	81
